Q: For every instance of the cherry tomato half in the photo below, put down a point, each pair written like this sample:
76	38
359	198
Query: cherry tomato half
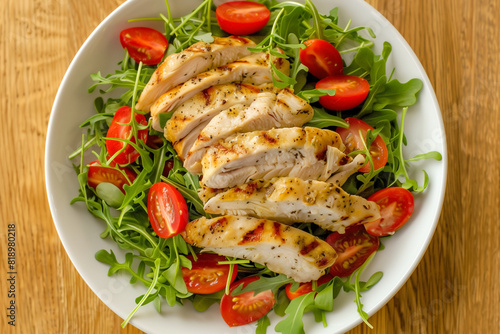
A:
144	44
245	308
353	248
396	206
119	177
120	128
167	210
207	275
350	91
242	17
352	140
321	58
306	287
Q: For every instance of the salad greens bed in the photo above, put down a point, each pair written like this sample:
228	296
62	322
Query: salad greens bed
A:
155	262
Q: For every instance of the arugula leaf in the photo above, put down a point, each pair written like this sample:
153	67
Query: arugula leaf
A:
293	323
429	155
164	117
201	303
324	298
398	95
282	303
322	119
263	284
262	325
313	95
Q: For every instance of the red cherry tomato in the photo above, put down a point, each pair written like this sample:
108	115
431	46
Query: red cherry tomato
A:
98	174
321	58
353	248
120	128
396	206
352	140
242	17
144	44
167	210
207	275
245	308
350	91
306	287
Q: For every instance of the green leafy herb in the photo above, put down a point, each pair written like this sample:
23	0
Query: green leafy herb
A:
293	324
322	119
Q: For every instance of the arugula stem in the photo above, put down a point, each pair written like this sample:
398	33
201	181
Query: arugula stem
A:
400	141
147	236
318	30
168	24
189	16
137	276
294	4
134	94
273	29
145	19
229	276
83	148
209	16
109	222
356	48
169	13
357	291
188	41
156	273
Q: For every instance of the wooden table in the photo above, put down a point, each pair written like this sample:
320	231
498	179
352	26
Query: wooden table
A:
455	289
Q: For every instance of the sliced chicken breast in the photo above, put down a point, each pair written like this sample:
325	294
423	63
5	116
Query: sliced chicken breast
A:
199	57
268	111
344	171
254	69
292	200
306	153
203	106
282	248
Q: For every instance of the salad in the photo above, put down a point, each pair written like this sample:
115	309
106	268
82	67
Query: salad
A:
138	186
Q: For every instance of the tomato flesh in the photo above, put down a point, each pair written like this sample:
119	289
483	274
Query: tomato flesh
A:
245	308
353	248
307	287
242	17
353	142
207	275
98	174
396	207
321	58
144	45
167	210
350	91
120	128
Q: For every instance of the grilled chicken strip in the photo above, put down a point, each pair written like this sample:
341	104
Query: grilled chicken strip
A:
184	146
199	57
306	153
282	248
292	200
268	111
254	69
203	106
344	171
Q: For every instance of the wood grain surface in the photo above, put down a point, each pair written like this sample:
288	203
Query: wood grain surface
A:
453	290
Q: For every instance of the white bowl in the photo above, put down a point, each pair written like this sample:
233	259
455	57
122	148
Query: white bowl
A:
79	231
